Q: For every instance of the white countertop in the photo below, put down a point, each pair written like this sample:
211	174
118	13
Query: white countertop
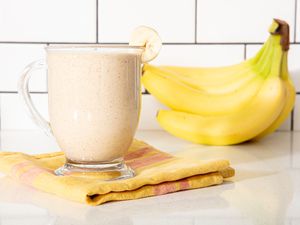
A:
265	190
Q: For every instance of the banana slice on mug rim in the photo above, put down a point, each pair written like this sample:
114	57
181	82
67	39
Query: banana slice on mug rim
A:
146	37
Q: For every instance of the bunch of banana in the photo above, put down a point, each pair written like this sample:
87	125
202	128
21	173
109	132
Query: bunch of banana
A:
226	105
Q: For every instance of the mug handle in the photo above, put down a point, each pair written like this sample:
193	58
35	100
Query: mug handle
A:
26	99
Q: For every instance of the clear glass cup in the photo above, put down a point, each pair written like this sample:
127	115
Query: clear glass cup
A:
94	104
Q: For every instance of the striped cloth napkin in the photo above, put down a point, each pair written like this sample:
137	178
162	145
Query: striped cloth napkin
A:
157	173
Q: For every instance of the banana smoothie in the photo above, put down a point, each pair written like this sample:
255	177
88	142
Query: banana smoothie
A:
94	102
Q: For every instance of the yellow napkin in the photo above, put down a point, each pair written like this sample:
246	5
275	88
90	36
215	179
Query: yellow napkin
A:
157	173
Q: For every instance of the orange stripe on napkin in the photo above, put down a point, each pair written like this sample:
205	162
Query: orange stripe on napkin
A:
147	161
138	153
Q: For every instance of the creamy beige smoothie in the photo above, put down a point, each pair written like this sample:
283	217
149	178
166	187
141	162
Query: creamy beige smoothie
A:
94	102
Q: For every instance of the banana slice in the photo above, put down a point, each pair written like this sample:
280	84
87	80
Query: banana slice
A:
148	38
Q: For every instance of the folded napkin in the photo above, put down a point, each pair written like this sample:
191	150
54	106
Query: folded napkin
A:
157	173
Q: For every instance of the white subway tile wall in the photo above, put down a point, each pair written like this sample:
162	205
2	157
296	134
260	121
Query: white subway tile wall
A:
48	20
14	58
173	19
15	116
194	33
294	64
200	55
150	106
240	21
297	25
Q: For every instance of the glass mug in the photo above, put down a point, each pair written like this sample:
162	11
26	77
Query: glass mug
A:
94	103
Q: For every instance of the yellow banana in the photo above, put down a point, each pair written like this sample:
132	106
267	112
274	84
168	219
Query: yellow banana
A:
226	105
183	98
290	101
179	96
229	129
259	117
281	28
209	72
214	80
220	86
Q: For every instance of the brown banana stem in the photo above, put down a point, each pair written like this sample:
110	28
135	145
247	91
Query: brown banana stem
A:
284	31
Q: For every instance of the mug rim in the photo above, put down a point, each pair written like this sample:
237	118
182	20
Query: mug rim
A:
92	46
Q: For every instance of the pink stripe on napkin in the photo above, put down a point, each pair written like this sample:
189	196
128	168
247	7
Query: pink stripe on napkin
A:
164	188
184	184
29	176
19	166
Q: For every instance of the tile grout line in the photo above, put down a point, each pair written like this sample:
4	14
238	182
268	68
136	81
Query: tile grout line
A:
46	92
97	15
31	92
196	16
44	42
295	21
165	43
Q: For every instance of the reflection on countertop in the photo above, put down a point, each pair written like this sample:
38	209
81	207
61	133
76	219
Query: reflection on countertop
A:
265	190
